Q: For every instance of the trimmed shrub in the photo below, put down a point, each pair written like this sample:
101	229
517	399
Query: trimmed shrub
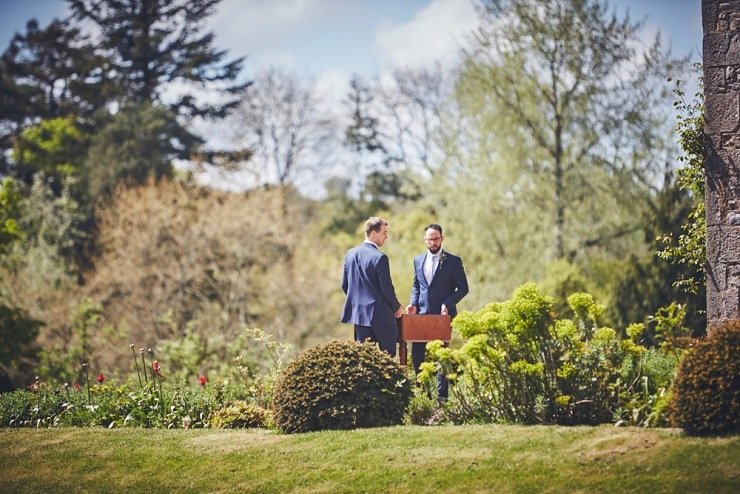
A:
706	391
240	415
340	385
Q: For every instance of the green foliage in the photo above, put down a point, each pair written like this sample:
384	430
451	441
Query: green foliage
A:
423	409
540	74
689	248
106	405
706	391
39	406
251	361
39	271
131	148
240	415
10	210
54	147
45	74
520	363
52	225
62	363
340	385
17	334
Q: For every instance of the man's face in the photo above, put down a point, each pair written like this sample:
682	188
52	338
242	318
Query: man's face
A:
379	237
433	239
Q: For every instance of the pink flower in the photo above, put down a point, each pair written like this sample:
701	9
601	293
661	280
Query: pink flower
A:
202	380
77	386
100	378
156	367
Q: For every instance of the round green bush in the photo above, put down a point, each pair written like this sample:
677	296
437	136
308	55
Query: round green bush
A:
706	391
340	385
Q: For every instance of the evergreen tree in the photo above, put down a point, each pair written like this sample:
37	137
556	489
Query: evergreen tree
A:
157	42
45	74
129	148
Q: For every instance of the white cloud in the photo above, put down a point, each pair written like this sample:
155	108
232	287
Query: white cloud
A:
433	35
266	31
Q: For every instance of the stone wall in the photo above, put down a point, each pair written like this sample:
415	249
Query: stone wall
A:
721	20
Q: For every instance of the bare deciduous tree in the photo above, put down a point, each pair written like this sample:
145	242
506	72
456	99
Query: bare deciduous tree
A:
283	122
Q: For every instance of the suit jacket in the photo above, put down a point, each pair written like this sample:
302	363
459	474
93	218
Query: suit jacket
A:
371	299
449	285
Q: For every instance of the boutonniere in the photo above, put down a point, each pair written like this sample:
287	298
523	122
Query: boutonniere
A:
442	258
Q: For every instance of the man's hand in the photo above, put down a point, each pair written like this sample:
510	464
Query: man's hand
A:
443	311
399	312
411	309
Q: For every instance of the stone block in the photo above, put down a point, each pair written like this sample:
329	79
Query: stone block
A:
733	48
730	252
727	15
716	77
733	276
713	209
714	306
723	245
730	300
709	15
722	112
731	79
713	202
715	49
717	277
714	247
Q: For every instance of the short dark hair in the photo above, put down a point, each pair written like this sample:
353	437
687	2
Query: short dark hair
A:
374	224
433	226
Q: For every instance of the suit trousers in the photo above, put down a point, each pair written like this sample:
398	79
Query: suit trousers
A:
418	354
385	337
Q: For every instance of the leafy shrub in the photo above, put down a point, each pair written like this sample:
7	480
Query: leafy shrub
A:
520	363
36	407
340	385
106	405
706	391
239	415
424	410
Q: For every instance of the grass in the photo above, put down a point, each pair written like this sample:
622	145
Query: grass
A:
461	459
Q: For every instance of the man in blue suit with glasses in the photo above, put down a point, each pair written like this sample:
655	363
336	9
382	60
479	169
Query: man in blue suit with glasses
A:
439	285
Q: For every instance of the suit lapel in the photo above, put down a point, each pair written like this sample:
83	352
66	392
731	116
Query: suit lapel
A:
419	266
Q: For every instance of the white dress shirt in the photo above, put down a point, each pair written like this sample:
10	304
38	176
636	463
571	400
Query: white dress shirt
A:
430	265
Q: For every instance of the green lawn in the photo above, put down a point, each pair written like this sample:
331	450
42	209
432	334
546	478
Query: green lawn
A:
460	459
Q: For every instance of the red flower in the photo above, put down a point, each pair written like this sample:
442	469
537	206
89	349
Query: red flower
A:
77	386
100	378
202	380
155	367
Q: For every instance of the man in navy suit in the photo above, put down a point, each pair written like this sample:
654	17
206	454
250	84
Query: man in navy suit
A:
371	303
439	284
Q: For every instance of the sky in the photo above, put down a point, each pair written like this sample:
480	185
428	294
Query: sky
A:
329	40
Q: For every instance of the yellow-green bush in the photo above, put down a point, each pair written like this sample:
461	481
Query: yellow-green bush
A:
340	385
240	415
520	362
706	391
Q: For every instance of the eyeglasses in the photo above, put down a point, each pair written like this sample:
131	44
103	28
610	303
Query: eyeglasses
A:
433	239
